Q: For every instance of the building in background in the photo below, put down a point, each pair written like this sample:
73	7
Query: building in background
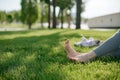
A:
111	21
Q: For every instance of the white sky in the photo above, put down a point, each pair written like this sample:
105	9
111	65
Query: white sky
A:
101	7
92	8
9	5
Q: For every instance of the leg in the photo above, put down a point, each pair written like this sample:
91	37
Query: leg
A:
73	55
109	45
115	53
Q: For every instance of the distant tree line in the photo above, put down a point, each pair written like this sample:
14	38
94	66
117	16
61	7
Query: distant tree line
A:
39	10
9	16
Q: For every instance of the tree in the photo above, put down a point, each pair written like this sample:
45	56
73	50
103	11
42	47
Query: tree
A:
48	13
29	12
48	2
42	9
63	4
78	12
10	18
54	15
17	16
2	16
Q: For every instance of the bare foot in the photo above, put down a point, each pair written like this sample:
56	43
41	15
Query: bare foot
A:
78	58
70	51
85	57
75	56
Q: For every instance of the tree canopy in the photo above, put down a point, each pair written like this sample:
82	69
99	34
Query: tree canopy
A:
63	4
30	12
2	16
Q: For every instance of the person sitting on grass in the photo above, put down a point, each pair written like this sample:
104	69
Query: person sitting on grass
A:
110	47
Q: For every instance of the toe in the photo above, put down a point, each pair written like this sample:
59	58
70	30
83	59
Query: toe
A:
67	41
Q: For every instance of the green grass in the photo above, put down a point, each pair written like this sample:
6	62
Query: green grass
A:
40	55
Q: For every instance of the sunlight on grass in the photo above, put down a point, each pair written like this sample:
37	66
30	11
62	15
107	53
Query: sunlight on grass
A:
29	58
9	55
6	56
17	72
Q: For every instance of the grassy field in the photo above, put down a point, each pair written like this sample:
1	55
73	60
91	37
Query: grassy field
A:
40	55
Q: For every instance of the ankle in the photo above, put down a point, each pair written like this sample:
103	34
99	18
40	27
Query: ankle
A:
88	56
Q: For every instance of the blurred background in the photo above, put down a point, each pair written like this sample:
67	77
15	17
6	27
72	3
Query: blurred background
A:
73	14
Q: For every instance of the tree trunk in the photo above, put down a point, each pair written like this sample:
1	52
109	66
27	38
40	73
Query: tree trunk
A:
62	19
54	15
49	15
42	14
41	19
78	12
29	25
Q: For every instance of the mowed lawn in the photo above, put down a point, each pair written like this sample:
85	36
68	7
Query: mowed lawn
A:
40	55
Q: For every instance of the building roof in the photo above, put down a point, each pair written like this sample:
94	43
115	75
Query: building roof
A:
105	15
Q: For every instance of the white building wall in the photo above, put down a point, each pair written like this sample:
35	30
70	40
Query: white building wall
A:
112	20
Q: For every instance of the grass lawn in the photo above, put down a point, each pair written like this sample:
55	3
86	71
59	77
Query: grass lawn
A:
40	55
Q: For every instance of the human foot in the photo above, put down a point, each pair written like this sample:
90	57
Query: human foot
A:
70	51
73	55
78	58
85	57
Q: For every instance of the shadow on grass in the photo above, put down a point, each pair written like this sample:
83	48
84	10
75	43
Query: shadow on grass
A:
108	59
13	32
35	57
